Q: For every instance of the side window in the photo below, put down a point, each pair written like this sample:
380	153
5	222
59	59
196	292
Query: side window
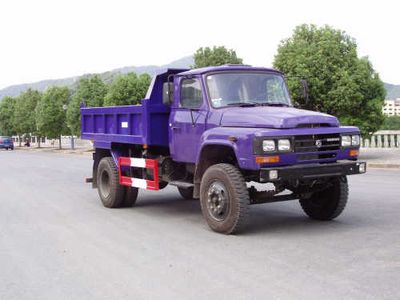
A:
191	95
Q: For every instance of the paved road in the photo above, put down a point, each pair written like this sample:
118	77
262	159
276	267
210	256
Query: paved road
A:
58	242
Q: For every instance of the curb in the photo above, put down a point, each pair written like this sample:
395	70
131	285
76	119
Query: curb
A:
56	151
383	166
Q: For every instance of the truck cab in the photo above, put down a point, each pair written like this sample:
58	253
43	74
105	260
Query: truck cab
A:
229	136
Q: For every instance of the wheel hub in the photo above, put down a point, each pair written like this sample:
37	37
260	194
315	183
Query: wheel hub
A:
217	201
105	185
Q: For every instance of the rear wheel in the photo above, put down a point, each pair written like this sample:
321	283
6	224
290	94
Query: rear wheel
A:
186	193
224	198
130	197
162	184
329	203
110	191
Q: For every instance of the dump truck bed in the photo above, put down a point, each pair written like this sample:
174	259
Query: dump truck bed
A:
131	124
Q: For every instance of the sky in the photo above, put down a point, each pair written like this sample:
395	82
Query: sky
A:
49	39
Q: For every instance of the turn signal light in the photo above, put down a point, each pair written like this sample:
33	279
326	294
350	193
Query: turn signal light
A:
267	159
354	152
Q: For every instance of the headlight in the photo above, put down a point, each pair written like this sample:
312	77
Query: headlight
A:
346	140
284	145
268	145
355	140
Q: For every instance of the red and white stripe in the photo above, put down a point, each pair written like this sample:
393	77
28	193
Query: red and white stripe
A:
139	163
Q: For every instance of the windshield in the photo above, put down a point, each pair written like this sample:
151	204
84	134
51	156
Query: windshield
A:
247	89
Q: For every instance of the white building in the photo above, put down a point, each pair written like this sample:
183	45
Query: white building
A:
391	107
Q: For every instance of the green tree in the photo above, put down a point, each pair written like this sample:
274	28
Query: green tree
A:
7	124
340	83
215	57
91	91
51	113
24	112
127	89
391	123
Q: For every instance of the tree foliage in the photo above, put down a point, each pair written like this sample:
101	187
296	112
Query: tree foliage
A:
391	123
50	112
215	57
91	91
340	83
7	124
127	89
24	112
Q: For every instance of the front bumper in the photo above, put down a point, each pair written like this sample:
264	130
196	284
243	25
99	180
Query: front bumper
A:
312	171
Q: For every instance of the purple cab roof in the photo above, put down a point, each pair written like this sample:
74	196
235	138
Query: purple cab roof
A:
229	67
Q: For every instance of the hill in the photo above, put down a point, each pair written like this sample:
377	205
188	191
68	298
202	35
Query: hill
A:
393	91
15	90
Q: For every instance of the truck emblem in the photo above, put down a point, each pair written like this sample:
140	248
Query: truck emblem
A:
318	143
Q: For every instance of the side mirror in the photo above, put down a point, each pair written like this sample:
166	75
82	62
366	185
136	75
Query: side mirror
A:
168	93
305	91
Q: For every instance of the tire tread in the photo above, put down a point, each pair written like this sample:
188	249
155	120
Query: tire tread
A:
117	191
241	193
339	196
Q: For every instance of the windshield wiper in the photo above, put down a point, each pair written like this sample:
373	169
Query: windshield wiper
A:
275	104
243	104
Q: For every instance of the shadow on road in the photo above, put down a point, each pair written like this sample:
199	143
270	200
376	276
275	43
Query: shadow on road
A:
169	205
271	219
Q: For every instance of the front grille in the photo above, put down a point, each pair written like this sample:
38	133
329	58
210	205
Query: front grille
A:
304	157
316	142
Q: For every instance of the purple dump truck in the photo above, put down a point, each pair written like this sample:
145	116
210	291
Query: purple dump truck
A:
226	135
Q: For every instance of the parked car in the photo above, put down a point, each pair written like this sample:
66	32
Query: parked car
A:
6	143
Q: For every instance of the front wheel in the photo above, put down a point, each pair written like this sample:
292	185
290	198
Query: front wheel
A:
329	203
224	198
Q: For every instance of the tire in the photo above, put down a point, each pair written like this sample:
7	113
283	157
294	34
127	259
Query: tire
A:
110	191
224	198
130	196
186	193
329	203
162	184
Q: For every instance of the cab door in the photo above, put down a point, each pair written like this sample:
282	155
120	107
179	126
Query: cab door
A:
187	120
